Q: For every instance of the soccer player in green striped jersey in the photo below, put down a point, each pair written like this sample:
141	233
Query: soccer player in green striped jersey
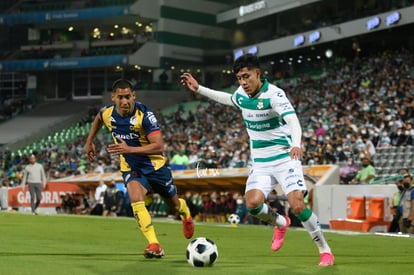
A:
275	144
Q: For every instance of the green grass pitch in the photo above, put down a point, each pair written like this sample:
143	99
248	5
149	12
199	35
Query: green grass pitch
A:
63	244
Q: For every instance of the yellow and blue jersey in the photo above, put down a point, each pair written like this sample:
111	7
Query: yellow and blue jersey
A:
134	129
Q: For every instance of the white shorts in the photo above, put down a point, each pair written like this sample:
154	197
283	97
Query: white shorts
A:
289	174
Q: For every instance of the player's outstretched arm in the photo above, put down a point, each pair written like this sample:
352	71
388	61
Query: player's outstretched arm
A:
188	80
90	150
192	84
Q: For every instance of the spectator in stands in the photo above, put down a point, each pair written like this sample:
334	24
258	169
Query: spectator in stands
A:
68	203
348	172
194	210
219	209
407	206
230	204
193	158
87	203
366	174
34	175
404	172
241	211
180	160
99	167
207	208
240	159
369	146
263	105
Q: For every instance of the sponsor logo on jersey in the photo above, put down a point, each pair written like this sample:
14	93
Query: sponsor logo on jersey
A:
129	136
260	104
258	126
262	115
152	118
133	120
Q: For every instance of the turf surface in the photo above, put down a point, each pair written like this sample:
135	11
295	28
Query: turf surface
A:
64	244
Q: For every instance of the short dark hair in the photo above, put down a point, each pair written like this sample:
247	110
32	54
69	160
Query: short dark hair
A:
406	176
246	60
121	84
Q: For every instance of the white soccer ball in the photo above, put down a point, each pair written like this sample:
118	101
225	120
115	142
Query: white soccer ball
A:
202	252
233	219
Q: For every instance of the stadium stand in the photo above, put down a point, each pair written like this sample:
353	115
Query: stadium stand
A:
190	125
41	122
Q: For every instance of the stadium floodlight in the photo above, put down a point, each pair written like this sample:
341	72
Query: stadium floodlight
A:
328	53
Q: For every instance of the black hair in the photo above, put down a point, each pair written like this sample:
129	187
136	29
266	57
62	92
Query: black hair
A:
121	84
246	60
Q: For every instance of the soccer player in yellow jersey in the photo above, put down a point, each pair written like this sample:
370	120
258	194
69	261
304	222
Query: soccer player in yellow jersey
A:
138	142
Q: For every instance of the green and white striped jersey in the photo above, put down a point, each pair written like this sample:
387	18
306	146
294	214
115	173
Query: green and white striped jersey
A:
263	115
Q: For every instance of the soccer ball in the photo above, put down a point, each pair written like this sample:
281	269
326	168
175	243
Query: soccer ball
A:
234	219
202	252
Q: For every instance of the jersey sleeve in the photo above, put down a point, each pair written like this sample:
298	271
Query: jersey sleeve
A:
218	96
105	113
281	104
150	122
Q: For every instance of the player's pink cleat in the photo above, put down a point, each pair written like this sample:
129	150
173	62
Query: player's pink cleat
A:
188	227
327	259
279	235
153	250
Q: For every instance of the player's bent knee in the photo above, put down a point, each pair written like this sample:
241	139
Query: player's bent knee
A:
304	215
253	204
297	209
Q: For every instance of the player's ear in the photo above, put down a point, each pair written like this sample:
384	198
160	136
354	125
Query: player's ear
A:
258	73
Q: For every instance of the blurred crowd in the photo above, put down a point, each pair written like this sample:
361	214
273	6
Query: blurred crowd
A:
12	107
346	113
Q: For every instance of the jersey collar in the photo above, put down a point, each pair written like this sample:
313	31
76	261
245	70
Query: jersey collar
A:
264	88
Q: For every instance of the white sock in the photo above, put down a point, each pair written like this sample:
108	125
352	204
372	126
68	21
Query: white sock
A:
271	217
313	227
